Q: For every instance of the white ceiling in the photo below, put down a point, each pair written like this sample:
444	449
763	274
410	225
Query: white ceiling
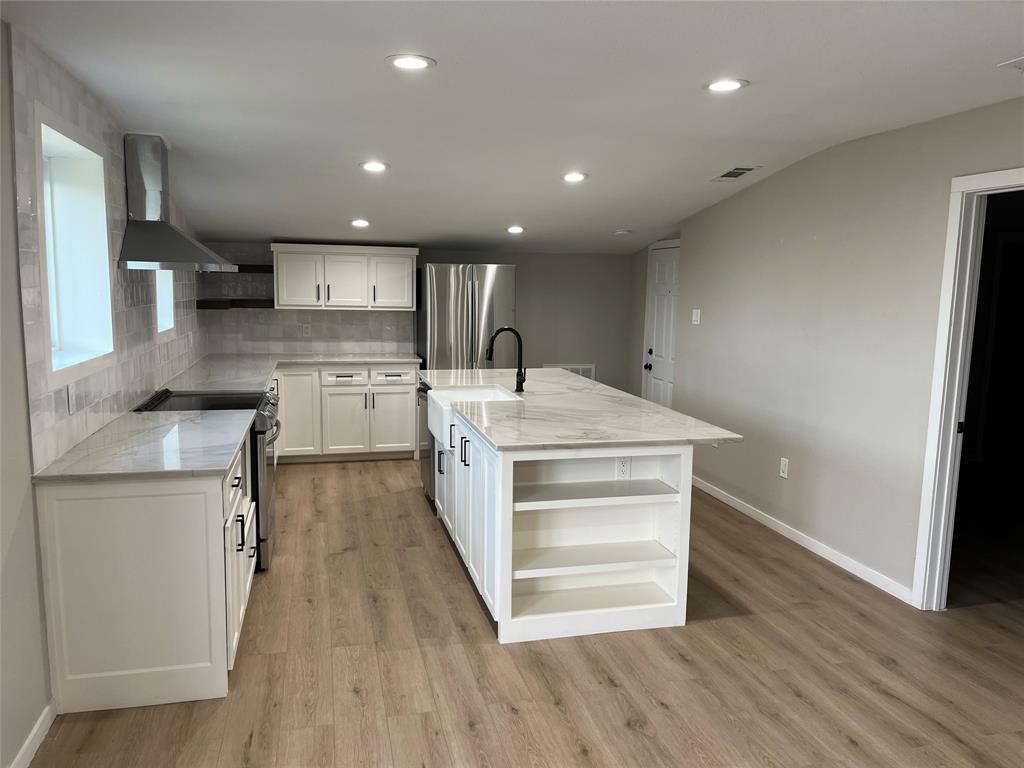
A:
271	107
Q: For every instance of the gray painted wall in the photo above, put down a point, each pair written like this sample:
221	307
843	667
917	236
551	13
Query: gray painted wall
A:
569	308
24	669
819	292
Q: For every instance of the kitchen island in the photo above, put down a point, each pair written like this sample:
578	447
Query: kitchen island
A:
569	503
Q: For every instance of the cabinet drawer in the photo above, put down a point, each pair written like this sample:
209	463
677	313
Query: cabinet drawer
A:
392	375
331	377
234	481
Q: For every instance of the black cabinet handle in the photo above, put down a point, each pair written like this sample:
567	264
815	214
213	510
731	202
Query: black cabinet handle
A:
375	294
318	291
252	554
237	481
451	435
462	449
240	519
365	401
373	400
328	291
466	460
440	462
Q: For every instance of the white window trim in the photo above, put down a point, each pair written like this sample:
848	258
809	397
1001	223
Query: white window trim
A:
40	115
171	333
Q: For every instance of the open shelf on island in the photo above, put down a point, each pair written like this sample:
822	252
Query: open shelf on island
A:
610	597
591	493
589	558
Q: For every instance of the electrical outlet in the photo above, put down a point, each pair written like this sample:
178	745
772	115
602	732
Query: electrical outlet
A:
784	467
307	330
695	317
622	469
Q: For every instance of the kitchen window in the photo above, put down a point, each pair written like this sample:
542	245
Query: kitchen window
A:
164	300
75	239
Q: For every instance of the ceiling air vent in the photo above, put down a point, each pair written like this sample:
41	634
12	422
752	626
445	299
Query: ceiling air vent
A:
736	173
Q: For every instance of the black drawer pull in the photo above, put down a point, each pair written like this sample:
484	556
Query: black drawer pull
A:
451	435
462	449
237	481
252	554
240	546
440	462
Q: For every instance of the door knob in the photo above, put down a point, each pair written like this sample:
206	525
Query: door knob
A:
650	350
648	367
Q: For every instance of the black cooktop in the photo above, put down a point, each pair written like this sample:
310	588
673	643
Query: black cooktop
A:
166	400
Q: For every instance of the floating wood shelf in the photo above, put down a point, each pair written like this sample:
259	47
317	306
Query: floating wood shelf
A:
234	303
560	601
597	493
589	558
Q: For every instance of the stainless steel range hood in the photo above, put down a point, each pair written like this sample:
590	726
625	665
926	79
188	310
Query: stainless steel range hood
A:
150	240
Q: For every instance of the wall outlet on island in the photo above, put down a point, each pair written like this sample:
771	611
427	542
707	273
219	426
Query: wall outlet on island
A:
622	469
307	330
784	468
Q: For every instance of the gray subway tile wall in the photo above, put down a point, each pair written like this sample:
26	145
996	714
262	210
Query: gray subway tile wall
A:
64	416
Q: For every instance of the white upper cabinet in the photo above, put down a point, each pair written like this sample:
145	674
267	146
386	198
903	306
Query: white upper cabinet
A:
298	279
345	280
344	277
391	279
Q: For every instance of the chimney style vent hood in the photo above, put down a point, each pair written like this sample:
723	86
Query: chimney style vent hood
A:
150	240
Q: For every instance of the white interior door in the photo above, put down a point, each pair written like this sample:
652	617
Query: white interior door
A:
660	322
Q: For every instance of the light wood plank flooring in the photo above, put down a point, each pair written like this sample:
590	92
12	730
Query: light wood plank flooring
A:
365	646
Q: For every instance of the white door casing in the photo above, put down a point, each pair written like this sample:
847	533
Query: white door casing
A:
957	301
658	358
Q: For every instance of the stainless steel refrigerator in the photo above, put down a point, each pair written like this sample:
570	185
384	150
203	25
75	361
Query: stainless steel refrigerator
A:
460	306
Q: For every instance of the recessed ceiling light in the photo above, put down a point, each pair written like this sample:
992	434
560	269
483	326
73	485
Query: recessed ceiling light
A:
515	229
375	166
726	85
360	223
574	177
623	231
411	61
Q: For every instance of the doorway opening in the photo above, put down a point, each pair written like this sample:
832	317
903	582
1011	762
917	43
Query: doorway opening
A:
970	415
987	558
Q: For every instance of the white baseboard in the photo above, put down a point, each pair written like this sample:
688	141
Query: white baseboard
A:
35	738
847	563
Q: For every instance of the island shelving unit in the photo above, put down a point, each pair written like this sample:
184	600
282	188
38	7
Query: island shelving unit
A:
570	505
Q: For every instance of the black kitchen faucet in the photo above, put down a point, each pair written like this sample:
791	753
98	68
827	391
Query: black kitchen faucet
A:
520	371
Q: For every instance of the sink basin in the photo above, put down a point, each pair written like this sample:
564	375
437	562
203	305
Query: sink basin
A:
439	405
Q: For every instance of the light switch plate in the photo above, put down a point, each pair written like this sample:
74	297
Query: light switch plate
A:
784	468
695	317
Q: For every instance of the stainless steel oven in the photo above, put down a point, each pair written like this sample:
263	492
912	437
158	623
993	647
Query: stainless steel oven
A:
426	444
266	429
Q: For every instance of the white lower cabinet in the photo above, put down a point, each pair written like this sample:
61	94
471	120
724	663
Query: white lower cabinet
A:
146	584
239	567
469	508
346	422
392	418
299	411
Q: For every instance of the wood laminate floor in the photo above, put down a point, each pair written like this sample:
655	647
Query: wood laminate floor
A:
365	646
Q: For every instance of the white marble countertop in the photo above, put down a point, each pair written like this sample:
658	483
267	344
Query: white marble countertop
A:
166	443
253	372
155	444
562	410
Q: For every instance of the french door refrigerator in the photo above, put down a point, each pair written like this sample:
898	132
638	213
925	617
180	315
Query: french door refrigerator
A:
460	306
